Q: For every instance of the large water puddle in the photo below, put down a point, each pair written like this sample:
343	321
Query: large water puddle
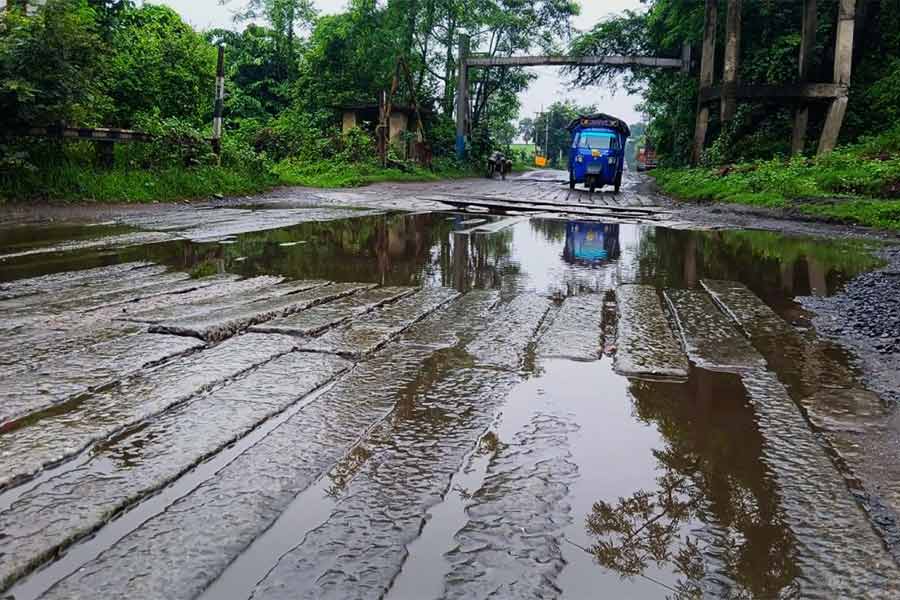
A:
587	483
458	251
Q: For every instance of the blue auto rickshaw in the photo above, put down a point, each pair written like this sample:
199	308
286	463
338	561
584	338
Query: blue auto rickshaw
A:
597	155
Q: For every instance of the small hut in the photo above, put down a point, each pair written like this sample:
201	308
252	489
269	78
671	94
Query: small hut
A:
403	133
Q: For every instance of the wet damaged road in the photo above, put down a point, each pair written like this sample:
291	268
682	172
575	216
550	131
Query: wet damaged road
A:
347	402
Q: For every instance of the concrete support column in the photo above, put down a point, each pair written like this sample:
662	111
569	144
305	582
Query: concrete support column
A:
843	64
732	59
707	69
808	31
462	98
686	58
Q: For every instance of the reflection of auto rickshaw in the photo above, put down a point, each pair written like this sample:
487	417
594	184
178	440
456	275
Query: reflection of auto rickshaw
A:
591	243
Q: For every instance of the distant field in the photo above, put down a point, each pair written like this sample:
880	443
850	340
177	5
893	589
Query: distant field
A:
516	151
529	148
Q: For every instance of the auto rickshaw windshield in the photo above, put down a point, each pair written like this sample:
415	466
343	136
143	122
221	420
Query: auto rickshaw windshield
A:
597	140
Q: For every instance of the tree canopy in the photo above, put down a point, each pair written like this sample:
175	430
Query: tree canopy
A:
114	63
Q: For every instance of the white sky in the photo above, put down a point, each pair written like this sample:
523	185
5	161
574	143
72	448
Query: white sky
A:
548	88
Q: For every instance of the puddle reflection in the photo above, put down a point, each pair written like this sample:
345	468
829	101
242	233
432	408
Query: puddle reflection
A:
552	256
713	516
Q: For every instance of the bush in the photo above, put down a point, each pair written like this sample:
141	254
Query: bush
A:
356	146
298	134
176	143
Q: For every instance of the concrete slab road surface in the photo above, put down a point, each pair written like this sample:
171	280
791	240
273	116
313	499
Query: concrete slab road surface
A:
469	389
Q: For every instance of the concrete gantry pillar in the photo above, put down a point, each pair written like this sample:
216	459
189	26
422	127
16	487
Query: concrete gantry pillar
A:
807	45
462	97
707	70
843	64
732	59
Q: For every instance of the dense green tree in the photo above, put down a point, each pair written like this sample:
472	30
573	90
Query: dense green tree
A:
349	58
257	88
159	65
286	18
50	65
108	13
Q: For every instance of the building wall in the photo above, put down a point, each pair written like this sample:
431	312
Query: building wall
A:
349	121
32	4
398	125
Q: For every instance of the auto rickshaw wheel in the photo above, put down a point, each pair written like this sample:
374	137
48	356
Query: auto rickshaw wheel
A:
618	182
571	181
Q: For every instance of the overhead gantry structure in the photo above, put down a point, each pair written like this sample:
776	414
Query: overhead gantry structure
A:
801	94
468	61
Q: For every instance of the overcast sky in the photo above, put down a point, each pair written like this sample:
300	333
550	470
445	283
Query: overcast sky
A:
549	88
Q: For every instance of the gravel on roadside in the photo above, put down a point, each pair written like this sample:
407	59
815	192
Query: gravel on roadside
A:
865	318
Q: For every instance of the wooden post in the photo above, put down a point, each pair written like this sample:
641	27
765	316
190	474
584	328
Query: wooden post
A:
686	58
386	112
219	108
707	69
462	98
843	63
807	44
732	59
106	154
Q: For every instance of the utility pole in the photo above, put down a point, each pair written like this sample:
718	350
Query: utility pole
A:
546	134
220	104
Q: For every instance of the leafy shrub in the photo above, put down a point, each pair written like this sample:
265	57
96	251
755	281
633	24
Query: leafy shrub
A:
356	146
298	134
238	154
176	143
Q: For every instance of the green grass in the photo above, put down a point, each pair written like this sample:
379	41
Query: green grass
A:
72	183
80	183
338	174
857	184
520	166
529	148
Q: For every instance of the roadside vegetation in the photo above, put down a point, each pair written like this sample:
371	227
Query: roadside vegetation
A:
289	71
858	183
